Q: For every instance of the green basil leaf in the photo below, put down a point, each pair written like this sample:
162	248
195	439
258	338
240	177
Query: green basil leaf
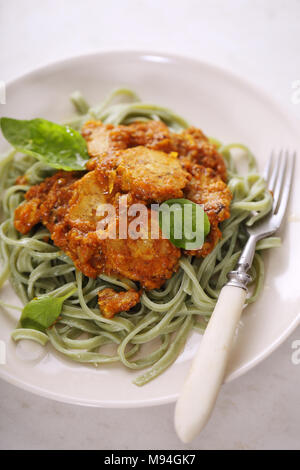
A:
59	146
184	223
40	313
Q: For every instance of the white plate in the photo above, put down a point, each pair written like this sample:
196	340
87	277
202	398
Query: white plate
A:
224	106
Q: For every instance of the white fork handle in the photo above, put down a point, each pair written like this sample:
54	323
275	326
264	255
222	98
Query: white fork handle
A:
206	375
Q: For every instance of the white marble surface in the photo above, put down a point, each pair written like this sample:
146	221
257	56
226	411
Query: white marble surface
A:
259	39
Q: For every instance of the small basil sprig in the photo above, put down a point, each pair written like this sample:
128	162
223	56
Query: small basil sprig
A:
59	146
41	313
184	223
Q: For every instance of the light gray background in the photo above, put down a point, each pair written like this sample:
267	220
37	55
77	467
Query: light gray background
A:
259	39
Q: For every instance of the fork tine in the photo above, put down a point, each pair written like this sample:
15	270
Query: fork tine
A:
280	180
273	175
286	188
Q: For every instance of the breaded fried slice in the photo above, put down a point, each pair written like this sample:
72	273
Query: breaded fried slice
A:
67	205
87	194
150	175
207	188
147	260
104	139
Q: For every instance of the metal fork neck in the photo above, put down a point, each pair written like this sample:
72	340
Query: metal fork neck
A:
239	277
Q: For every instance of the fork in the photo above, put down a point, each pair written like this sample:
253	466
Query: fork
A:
200	390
